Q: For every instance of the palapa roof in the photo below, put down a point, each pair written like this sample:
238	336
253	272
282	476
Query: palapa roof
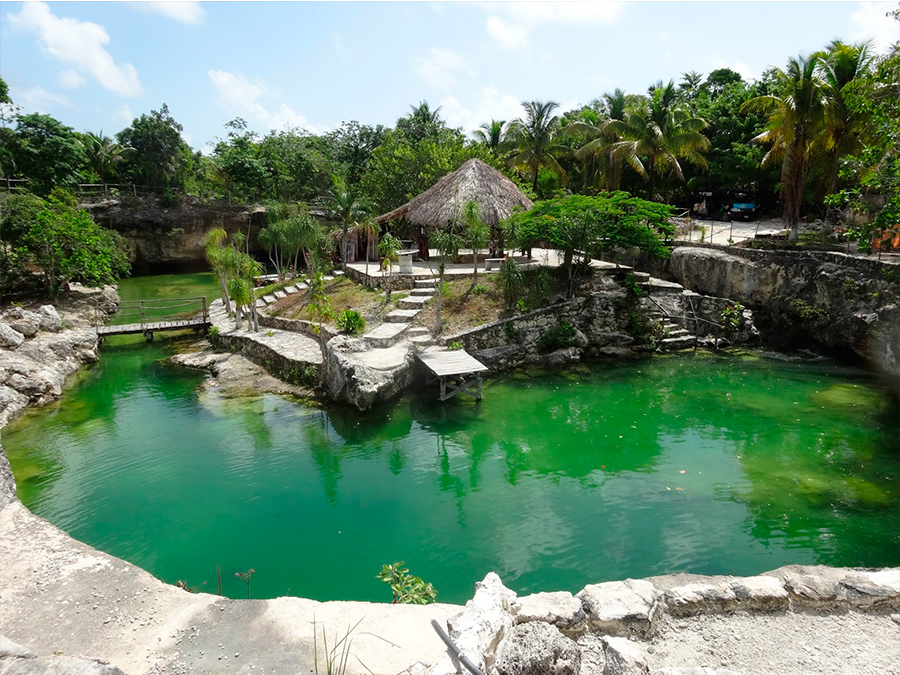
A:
443	202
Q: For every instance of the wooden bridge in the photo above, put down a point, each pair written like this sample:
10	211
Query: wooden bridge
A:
457	368
151	316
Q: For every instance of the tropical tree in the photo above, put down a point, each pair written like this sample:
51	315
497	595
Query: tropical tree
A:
475	233
534	138
447	240
840	65
492	134
346	207
389	247
47	152
655	133
103	154
422	122
320	310
158	158
796	118
370	229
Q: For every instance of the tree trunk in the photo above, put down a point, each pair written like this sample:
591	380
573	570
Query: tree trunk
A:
225	295
437	306
475	266
238	312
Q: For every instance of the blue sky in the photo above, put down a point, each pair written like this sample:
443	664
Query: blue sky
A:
96	65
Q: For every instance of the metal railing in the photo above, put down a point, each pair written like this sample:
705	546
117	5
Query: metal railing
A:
154	311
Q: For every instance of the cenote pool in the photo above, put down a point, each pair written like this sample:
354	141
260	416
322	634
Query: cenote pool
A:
614	469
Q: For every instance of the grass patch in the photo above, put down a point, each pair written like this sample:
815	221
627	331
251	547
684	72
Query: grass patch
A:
343	294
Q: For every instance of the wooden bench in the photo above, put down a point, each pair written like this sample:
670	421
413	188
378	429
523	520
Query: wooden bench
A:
490	262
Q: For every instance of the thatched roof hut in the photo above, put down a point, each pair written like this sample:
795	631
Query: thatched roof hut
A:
443	202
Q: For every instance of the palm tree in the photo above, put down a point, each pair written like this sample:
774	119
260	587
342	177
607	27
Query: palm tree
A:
599	167
839	65
796	119
422	122
690	84
103	153
534	138
370	230
344	204
655	133
492	135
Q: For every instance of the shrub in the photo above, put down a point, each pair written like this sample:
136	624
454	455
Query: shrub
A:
560	336
351	322
733	317
455	346
511	280
480	289
407	589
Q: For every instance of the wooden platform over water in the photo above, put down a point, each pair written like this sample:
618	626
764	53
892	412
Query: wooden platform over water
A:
157	308
153	327
458	368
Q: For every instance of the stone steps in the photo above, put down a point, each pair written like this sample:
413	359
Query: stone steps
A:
414	301
418	331
385	335
401	315
269	299
422	340
422	291
279	294
686	341
426	283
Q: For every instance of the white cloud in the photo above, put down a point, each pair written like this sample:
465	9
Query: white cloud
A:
123	114
40	100
870	23
185	11
241	97
490	104
70	79
739	67
79	43
511	23
440	67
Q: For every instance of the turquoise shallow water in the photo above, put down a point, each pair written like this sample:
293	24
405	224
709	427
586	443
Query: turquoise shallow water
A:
609	470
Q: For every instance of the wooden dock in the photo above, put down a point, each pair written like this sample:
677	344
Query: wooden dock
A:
146	310
458	369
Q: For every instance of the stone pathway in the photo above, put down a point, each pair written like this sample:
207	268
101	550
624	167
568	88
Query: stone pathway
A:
293	346
396	324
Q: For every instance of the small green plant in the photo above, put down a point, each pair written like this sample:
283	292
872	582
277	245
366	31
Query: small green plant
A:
407	589
521	306
271	333
732	317
351	322
558	337
245	577
808	312
511	331
511	280
213	332
702	234
632	288
850	286
480	289
454	346
540	283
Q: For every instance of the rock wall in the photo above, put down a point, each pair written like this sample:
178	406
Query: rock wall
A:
839	301
600	320
302	374
362	382
173	236
295	325
7	481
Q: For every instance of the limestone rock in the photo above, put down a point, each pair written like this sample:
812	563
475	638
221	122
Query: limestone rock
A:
624	657
9	649
9	337
693	670
49	319
363	376
693	599
879	589
56	665
818	589
560	608
763	594
621	608
480	627
22	320
537	648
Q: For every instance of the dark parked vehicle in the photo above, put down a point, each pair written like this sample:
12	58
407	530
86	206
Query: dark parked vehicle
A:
724	205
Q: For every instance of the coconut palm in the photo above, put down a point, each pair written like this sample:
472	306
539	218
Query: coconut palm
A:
839	65
655	133
103	153
534	136
346	207
796	118
492	134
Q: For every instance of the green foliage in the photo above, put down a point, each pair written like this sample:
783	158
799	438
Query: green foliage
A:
480	289
47	152
454	346
557	337
159	152
64	197
632	289
806	312
732	317
891	273
67	245
351	322
521	306
407	589
213	332
511	280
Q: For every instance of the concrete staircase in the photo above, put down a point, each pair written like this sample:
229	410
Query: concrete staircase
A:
678	337
396	324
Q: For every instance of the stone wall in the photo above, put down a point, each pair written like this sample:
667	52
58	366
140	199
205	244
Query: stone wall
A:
600	320
7	481
839	301
279	365
295	325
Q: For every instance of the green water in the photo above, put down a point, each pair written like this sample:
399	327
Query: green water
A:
553	481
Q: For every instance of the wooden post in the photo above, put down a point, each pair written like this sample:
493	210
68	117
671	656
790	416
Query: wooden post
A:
205	312
143	315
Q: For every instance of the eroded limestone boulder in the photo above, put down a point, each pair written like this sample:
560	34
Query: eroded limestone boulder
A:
621	608
537	648
761	594
18	660
559	608
624	657
878	589
362	376
49	318
26	322
693	599
9	337
480	627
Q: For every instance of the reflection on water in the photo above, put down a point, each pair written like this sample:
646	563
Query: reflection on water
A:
612	469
